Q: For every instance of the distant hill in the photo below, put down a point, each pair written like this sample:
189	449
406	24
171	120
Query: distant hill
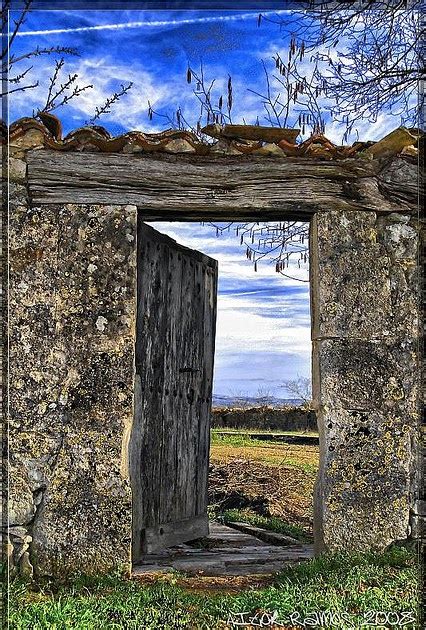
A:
247	401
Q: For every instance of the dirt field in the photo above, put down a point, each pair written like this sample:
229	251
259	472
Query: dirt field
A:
264	478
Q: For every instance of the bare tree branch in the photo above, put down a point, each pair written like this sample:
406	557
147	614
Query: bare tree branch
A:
58	96
106	107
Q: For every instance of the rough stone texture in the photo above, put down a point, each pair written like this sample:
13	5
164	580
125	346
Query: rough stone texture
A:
72	316
72	307
365	353
17	170
31	139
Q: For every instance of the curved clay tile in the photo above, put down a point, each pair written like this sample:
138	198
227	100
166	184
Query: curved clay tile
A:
101	131
289	148
97	138
52	123
20	126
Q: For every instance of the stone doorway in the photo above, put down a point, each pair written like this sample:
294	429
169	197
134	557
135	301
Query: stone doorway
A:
72	355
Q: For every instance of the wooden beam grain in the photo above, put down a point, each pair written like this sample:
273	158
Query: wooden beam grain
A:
197	187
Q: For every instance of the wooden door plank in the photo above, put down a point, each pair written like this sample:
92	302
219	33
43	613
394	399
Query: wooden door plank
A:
169	462
171	534
172	406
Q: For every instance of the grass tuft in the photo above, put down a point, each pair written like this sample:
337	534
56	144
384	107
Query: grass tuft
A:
271	523
342	583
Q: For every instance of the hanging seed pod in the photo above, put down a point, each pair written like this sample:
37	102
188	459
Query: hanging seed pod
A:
188	75
198	86
242	239
220	102
255	266
259	19
178	116
229	94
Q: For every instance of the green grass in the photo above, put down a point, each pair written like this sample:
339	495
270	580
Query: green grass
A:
295	432
242	437
346	583
236	439
272	523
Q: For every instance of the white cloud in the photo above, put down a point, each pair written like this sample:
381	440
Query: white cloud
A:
149	23
105	75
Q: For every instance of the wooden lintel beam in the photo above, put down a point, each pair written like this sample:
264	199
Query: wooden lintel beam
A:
195	188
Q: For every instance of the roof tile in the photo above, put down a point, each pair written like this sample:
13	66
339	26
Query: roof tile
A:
232	140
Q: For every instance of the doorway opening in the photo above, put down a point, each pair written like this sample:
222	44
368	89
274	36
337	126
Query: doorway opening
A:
224	448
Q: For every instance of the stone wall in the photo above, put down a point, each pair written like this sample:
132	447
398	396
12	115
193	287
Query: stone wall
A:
289	419
72	320
72	323
364	276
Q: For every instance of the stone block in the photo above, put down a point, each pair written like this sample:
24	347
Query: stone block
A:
31	139
179	145
418	527
18	195
21	508
400	239
419	507
86	514
17	170
352	278
366	375
347	230
269	149
354	298
72	386
25	567
363	490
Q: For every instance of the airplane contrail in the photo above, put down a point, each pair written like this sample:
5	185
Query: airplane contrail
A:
149	23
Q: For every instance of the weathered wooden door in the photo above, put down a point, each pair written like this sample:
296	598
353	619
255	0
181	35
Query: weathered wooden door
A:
169	445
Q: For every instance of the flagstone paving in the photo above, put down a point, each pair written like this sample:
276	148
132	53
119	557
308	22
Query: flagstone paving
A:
225	551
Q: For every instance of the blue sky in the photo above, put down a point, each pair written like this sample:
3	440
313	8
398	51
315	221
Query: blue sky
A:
263	333
153	49
263	321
